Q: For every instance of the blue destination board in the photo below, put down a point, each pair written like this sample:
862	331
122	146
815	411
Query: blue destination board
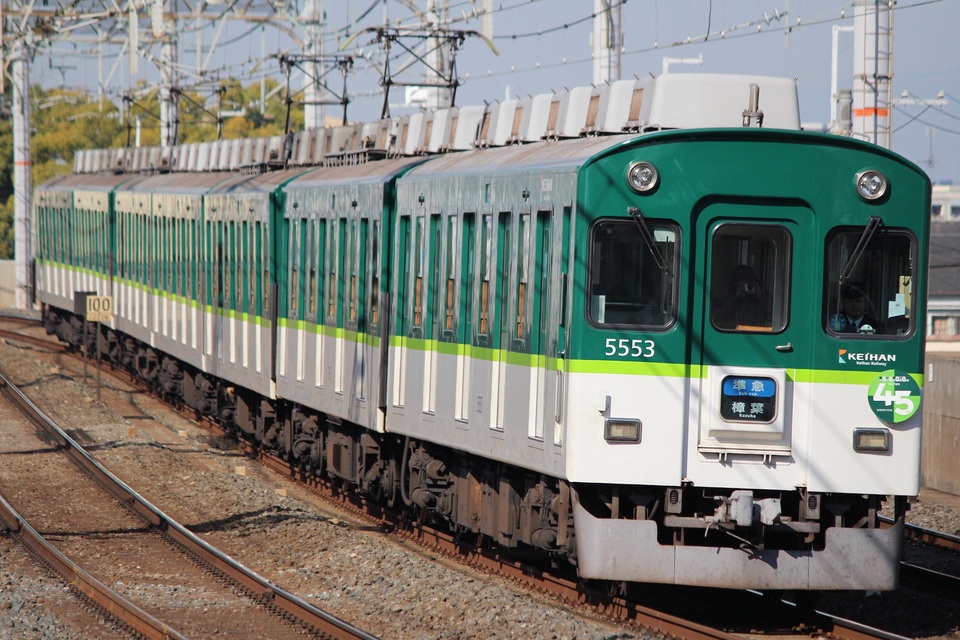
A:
752	387
748	399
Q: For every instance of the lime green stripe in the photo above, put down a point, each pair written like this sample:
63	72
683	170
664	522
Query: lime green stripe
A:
661	369
823	376
330	332
604	367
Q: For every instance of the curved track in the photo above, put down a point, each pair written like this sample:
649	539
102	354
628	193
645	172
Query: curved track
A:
614	606
97	517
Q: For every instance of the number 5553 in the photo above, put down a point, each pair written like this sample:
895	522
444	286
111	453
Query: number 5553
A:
624	347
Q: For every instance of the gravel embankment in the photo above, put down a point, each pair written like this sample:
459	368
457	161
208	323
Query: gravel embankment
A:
364	576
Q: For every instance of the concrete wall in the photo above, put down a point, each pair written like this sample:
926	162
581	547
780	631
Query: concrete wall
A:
941	424
8	284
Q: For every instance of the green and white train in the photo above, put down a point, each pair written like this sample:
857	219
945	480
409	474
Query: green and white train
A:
652	329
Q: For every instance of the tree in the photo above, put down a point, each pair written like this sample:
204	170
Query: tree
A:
65	121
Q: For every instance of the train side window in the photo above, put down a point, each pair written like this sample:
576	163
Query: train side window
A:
419	268
449	295
294	266
252	279
750	276
357	236
633	283
374	299
333	257
869	282
238	254
434	242
523	277
312	256
486	267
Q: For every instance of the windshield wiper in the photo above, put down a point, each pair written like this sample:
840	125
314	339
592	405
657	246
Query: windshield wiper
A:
648	237
872	224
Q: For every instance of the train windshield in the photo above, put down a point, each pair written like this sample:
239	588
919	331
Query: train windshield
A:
869	282
750	276
632	279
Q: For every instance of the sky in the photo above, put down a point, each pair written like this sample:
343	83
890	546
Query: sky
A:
544	45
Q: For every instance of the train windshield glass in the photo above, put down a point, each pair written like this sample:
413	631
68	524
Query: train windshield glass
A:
869	283
627	286
750	276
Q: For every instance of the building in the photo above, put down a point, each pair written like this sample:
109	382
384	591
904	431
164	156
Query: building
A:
945	202
943	304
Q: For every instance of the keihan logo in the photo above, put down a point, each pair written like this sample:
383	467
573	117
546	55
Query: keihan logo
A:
845	356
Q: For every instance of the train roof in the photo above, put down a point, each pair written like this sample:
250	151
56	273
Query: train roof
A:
90	181
549	130
196	184
554	155
257	183
370	173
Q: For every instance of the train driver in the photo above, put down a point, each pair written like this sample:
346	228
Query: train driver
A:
854	316
745	306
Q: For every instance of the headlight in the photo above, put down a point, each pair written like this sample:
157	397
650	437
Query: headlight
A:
871	185
642	177
871	440
621	430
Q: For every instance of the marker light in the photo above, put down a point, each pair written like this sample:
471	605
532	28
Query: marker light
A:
871	184
621	430
642	177
871	440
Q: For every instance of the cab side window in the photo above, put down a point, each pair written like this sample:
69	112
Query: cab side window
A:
632	280
869	282
750	278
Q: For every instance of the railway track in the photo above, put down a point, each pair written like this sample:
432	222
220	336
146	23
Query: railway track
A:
139	554
785	620
917	574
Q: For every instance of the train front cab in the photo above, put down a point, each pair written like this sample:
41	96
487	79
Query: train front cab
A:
714	445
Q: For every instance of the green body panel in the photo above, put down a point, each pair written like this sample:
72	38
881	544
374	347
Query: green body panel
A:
805	182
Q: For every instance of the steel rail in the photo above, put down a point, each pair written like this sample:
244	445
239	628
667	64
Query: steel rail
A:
929	579
264	590
615	607
930	536
121	609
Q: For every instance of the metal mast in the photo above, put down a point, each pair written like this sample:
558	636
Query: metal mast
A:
313	50
22	176
873	71
607	40
438	57
169	104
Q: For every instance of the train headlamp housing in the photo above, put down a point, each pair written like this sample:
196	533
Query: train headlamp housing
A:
871	440
642	177
871	185
621	430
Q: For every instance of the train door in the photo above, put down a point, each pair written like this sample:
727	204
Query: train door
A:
757	315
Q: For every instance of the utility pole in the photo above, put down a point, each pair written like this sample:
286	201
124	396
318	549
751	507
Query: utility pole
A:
27	26
22	175
313	49
169	107
607	40
872	71
438	56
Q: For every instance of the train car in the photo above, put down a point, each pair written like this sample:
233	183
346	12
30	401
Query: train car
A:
579	308
685	348
74	217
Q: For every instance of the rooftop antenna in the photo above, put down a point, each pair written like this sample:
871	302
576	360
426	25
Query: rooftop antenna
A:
668	61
